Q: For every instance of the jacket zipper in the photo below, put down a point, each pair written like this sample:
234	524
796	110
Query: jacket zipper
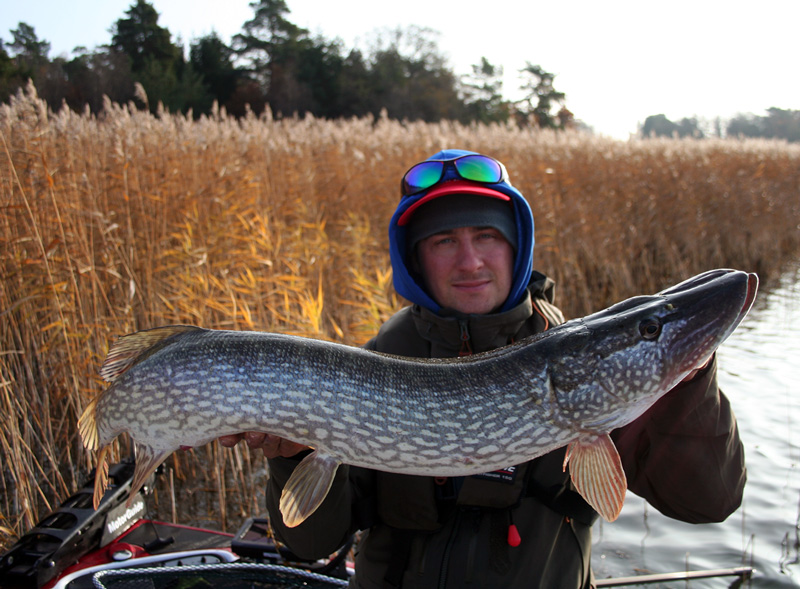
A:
466	344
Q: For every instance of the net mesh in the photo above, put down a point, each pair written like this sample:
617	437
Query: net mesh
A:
217	576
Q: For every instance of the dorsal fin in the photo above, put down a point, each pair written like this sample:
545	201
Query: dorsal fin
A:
135	347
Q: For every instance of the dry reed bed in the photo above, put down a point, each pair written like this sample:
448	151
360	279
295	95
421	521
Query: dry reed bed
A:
125	221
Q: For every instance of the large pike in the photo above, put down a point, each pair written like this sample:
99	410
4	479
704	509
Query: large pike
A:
571	385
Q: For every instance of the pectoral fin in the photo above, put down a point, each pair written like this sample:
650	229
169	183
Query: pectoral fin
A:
596	472
307	487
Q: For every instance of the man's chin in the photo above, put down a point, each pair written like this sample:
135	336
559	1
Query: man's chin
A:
474	305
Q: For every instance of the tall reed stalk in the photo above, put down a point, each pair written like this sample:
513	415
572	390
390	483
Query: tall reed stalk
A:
123	220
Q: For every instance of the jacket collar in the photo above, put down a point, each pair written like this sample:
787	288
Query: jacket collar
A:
455	334
447	332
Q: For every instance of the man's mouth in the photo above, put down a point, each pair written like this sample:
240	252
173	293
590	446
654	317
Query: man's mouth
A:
471	284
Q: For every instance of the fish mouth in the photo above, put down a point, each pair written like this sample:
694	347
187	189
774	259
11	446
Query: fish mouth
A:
734	280
752	289
711	306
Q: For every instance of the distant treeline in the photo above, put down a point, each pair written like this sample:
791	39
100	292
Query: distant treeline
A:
777	124
276	63
272	63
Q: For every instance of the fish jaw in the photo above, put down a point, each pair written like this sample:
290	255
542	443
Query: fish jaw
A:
607	369
716	302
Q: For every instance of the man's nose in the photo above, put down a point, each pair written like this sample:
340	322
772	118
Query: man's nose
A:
468	256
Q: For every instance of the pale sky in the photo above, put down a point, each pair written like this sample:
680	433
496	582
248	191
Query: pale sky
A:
618	61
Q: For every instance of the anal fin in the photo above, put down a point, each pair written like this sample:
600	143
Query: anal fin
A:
307	488
596	472
147	461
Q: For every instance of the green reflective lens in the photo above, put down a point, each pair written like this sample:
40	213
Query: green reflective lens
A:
422	176
478	168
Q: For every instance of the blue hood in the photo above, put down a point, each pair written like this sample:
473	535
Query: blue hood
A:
404	280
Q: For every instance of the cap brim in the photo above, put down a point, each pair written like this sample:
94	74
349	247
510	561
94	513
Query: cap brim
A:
453	187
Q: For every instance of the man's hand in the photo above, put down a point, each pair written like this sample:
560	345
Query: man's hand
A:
701	366
272	446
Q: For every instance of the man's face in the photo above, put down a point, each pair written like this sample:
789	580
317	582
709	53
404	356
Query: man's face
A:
468	269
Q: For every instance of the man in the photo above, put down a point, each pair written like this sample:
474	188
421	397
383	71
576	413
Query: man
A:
461	244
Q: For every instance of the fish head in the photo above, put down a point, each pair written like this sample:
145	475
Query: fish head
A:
613	365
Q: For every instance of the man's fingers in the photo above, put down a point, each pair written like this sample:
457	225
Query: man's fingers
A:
231	440
272	446
256	439
700	367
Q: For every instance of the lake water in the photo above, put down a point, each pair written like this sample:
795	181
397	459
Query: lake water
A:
760	373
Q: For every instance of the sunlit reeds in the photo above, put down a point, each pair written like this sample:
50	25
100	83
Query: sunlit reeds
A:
123	220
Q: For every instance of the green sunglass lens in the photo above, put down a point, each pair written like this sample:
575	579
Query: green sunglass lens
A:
479	169
423	176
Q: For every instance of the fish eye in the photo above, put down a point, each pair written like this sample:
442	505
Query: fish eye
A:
650	328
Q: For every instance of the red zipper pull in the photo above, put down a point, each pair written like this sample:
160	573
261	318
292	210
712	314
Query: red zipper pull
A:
514	539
